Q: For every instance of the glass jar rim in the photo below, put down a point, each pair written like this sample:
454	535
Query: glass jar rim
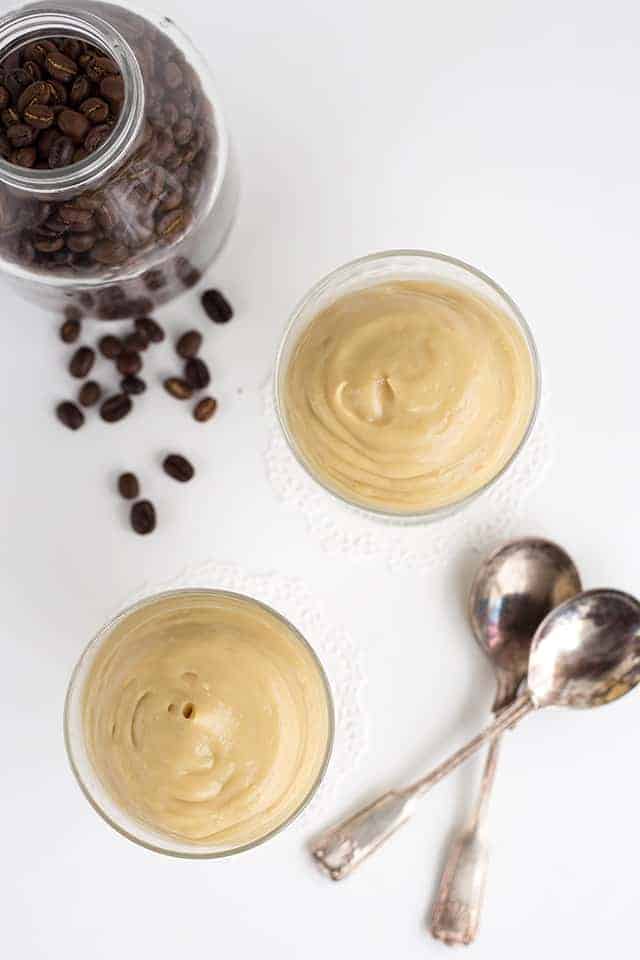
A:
23	27
73	690
313	296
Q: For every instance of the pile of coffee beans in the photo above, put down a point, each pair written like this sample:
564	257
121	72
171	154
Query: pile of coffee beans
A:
60	99
125	355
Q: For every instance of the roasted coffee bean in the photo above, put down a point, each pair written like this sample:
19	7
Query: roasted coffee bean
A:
205	409
33	69
152	330
81	362
172	224
97	136
5	97
189	344
60	67
70	415
39	116
61	153
81	242
16	80
178	388
76	218
112	88
72	47
154	280
89	393
38	51
172	197
21	135
94	109
25	157
99	67
116	407
173	75
216	306
110	253
70	330
110	347
178	467
143	516
10	117
140	306
45	142
73	124
138	340
129	362
183	131
49	244
58	93
196	373
54	226
133	385
80	90
186	272
38	92
128	486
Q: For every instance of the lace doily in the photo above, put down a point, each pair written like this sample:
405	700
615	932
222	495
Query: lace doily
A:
339	655
341	529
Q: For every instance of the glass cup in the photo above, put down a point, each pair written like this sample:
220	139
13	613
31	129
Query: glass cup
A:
88	777
366	272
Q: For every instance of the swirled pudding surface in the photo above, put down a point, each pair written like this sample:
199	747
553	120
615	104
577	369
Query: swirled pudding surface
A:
409	395
207	718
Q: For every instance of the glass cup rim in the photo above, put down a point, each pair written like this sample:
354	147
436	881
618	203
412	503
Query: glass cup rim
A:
95	643
314	293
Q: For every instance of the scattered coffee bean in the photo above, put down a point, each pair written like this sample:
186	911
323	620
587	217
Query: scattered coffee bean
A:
81	362
70	331
154	280
187	273
128	486
89	393
116	407
129	362
133	385
178	388
205	409
110	347
70	415
143	516
138	340
189	344
153	330
196	373
216	306
178	467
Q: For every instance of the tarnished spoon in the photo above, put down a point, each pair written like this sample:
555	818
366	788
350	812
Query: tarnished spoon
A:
512	592
585	653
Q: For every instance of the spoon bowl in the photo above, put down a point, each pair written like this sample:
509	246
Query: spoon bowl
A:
587	651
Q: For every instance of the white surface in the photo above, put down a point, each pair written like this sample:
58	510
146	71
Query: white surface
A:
502	133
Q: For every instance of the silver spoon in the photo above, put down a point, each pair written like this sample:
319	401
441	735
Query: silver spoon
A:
512	592
585	653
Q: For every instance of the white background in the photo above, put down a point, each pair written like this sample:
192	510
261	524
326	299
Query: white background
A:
504	133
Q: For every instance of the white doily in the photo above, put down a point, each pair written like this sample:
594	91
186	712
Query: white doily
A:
340	657
341	529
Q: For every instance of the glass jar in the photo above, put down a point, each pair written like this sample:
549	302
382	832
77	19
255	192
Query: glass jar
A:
156	198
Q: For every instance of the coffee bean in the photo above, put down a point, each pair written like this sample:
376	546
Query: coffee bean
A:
173	75
70	331
97	136
216	306
16	80
38	115
80	90
81	362
189	344
138	340
153	330
178	388
154	280
58	93
196	373
25	157
129	362
99	67
10	117
76	218
81	242
5	98
186	272
171	225
143	516
128	486
89	393
21	135
116	407
61	153
110	253
112	88
46	141
38	51
183	131
60	67
205	409
39	92
72	47
73	124
33	69
178	467
49	244
109	346
94	109
70	415
133	385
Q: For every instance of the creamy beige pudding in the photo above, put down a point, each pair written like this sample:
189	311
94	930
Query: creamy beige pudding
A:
409	395
207	717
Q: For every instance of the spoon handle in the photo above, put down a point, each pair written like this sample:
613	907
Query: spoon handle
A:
456	914
340	849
